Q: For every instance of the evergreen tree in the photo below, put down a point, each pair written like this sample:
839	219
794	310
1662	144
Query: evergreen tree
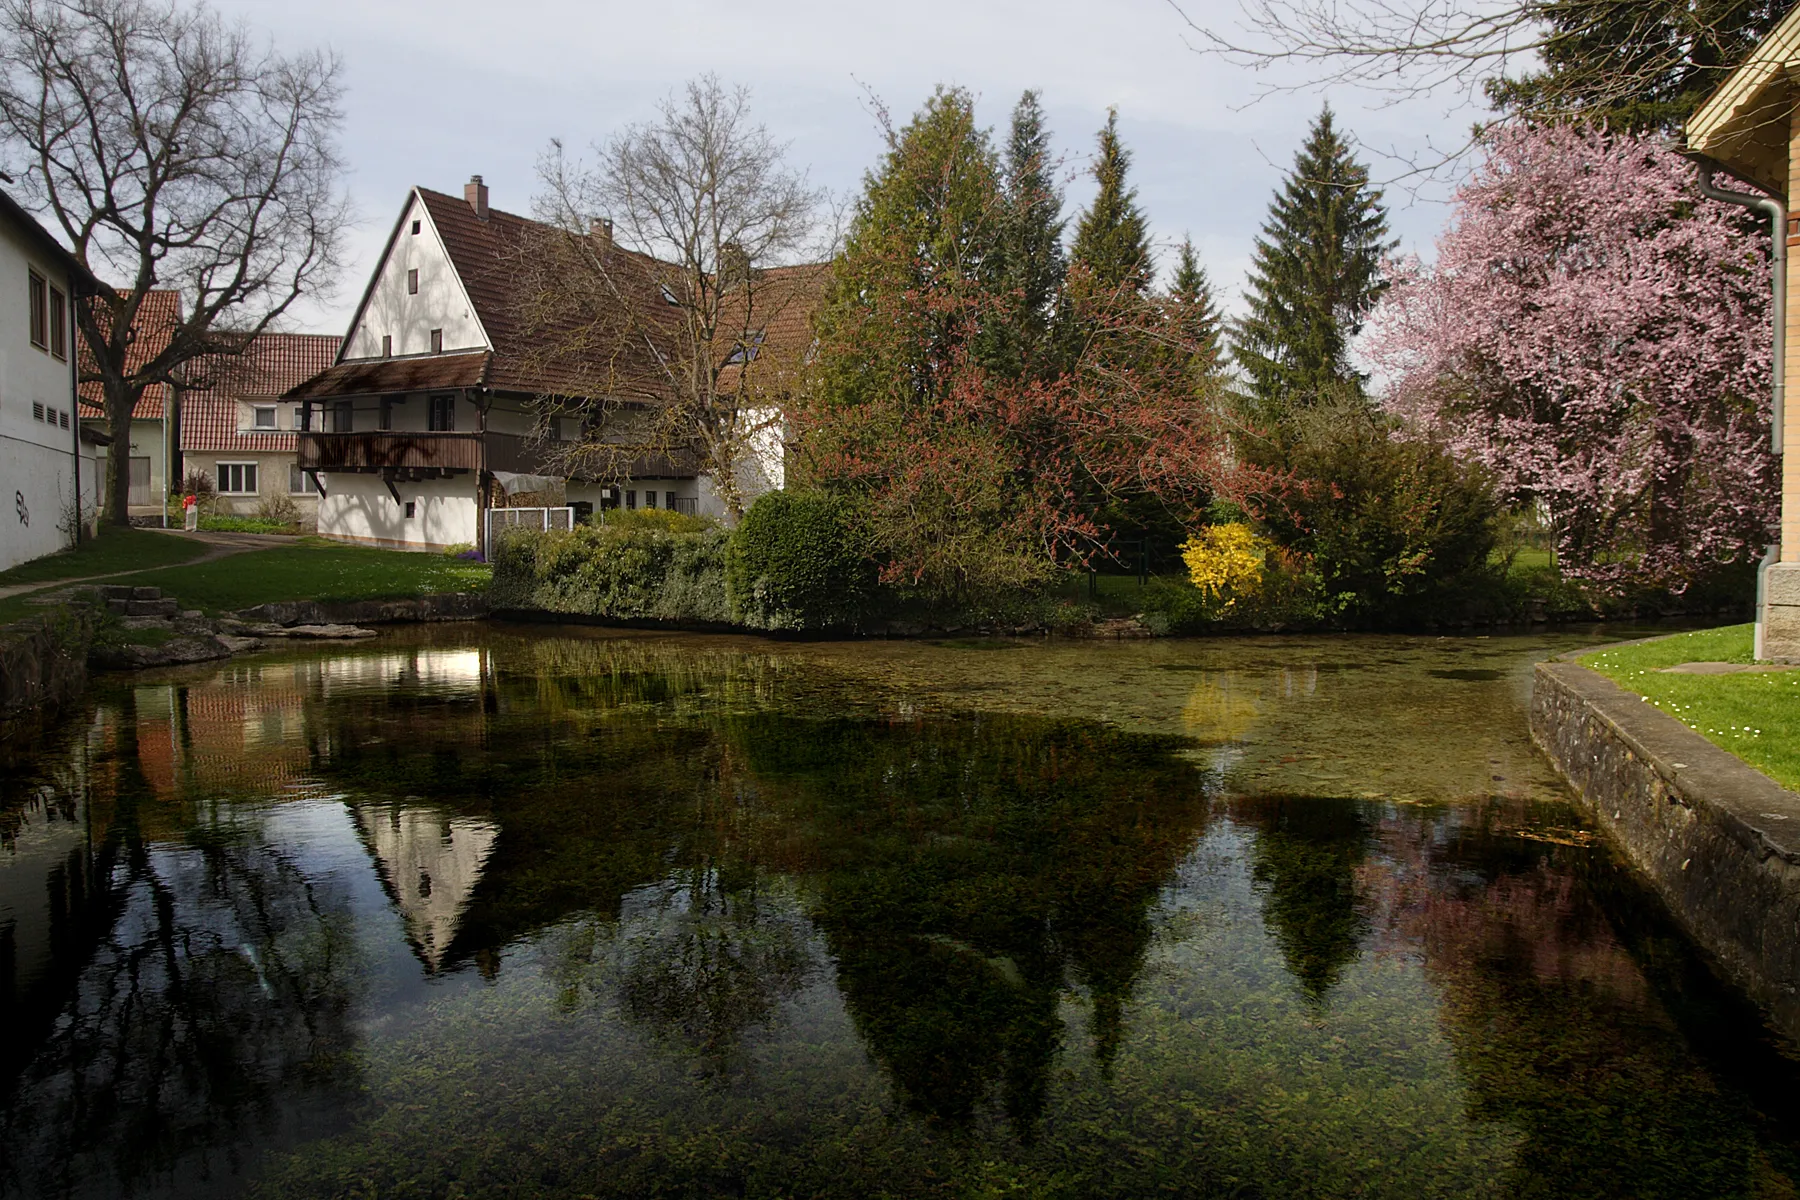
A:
1111	239
1315	275
1031	254
1192	308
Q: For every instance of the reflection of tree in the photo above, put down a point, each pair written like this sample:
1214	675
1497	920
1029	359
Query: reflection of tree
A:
1305	860
967	872
1580	1017
213	1003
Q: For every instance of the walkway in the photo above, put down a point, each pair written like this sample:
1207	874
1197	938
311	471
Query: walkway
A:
223	545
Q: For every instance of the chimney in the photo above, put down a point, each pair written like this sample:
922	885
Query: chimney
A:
600	229
475	192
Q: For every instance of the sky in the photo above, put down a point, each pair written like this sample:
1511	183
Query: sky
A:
440	90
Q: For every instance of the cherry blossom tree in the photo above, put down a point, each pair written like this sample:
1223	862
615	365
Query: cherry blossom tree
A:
1597	335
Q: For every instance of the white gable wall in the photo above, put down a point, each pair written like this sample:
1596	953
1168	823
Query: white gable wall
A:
441	301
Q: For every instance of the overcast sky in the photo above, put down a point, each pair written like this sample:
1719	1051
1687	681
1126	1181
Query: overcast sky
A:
443	89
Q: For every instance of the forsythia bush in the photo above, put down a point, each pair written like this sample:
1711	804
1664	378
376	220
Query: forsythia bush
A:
1225	559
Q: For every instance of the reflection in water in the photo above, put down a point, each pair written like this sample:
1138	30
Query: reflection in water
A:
636	916
1305	861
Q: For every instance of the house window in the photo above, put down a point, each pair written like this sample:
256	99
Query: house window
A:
59	323
669	501
412	282
411	510
237	479
437	341
296	479
387	345
40	311
262	417
649	499
630	499
415	228
442	418
343	417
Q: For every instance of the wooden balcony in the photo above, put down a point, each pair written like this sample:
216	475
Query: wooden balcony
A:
414	451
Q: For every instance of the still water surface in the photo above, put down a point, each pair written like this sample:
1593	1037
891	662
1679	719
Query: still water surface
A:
470	913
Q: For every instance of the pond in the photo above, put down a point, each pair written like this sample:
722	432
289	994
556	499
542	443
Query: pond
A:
471	911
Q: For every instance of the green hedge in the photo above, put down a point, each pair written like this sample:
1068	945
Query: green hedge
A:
795	563
651	564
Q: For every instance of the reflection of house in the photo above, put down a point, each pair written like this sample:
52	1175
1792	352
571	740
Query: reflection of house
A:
430	862
155	422
239	431
426	420
44	459
1751	126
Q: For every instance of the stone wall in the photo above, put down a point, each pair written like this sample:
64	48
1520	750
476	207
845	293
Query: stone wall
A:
1718	839
446	606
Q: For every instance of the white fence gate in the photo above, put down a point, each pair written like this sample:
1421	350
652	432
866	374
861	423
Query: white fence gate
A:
559	519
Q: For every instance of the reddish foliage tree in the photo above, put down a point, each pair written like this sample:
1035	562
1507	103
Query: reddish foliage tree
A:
1597	335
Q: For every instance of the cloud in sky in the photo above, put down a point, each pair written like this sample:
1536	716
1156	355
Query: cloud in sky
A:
441	90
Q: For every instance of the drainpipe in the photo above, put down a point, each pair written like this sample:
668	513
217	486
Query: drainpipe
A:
1777	214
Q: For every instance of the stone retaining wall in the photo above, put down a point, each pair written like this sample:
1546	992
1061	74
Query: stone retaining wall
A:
446	606
1718	839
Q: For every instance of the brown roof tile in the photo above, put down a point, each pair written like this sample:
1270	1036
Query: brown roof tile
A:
157	317
382	376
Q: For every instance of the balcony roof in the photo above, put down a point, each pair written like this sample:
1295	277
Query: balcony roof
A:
389	376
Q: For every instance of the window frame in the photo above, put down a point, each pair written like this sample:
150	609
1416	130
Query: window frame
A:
343	416
295	473
37	293
245	471
444	403
59	324
437	341
412	281
256	425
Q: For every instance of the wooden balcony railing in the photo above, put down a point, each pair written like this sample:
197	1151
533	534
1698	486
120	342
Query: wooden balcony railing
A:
408	450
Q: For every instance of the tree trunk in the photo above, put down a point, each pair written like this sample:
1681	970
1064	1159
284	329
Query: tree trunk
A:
119	403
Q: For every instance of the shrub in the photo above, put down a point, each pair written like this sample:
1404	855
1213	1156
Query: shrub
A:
662	566
1396	530
1225	561
796	562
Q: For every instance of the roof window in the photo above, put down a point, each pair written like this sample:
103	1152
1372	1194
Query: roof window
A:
668	295
745	352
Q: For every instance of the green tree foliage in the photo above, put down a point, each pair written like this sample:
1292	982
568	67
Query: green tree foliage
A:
795	563
1315	276
1112	241
1639	66
1394	529
1191	307
1032	263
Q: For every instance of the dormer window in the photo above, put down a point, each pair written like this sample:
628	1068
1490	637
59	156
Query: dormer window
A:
412	282
262	417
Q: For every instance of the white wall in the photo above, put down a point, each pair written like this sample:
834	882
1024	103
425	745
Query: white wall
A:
441	302
359	508
37	457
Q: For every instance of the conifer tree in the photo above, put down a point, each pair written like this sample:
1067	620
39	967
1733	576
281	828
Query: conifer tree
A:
1032	264
1111	239
1192	307
1315	275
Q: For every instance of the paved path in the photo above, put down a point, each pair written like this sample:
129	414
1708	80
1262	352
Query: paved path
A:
221	545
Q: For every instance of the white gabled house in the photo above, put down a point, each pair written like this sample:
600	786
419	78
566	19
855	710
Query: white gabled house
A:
425	420
48	474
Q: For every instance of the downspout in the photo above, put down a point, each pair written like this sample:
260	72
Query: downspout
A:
71	342
1777	214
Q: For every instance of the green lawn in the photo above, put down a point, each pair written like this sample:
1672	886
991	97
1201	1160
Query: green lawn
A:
114	550
314	569
1755	715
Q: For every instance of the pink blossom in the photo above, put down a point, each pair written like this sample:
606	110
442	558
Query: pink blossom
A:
1597	335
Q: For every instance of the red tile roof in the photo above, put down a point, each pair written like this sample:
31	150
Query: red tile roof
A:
158	315
271	365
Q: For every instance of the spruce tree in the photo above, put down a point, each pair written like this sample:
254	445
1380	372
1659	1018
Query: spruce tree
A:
1193	310
1031	254
1316	273
1111	239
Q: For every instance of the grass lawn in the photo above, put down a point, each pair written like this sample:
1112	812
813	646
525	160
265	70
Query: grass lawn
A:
114	550
315	569
1755	715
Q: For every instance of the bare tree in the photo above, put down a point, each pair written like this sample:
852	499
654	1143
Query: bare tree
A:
662	291
175	153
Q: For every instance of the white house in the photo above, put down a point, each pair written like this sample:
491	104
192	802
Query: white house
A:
425	419
48	474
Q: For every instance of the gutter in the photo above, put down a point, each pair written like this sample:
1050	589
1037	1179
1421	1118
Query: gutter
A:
1777	214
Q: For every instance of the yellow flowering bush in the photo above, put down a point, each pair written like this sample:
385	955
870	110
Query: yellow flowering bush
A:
1226	559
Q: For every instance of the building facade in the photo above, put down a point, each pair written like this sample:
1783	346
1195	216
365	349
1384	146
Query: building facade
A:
48	470
428	417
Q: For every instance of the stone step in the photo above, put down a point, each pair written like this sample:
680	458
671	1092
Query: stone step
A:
151	607
114	591
146	593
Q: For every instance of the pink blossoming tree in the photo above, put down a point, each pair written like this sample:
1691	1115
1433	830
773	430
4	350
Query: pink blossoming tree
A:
1597	335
